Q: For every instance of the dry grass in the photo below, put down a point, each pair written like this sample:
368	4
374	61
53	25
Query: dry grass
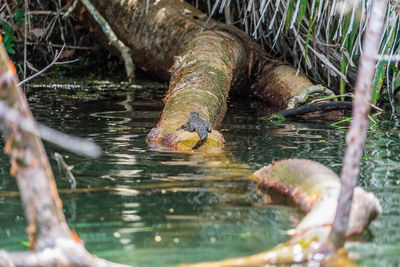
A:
322	37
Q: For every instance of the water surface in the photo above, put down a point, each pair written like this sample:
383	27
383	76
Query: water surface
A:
174	207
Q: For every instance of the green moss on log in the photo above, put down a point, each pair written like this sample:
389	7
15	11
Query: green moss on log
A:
201	79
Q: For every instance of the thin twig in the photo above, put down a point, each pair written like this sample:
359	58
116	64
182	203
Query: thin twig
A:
54	62
67	169
25	34
112	37
70	9
66	62
10	16
60	45
44	12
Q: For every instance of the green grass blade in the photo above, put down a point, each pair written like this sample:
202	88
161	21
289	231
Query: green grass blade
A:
343	70
302	12
289	15
381	69
310	27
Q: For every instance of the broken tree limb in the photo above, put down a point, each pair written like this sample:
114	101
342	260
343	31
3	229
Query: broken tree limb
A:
50	238
314	188
77	145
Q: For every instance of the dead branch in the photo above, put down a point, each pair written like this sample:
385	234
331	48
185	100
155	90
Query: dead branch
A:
112	37
48	66
355	137
325	106
70	9
62	165
64	45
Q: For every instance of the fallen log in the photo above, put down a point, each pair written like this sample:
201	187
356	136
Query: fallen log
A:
203	59
200	82
314	188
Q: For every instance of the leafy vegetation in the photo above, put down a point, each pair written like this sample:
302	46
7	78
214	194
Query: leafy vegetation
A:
9	38
9	33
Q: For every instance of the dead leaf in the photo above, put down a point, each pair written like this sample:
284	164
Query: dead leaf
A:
67	53
38	32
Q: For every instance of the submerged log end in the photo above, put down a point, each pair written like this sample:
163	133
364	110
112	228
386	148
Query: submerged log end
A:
183	140
300	179
314	188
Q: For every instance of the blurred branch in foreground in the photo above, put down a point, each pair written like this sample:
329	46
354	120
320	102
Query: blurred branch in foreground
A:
51	241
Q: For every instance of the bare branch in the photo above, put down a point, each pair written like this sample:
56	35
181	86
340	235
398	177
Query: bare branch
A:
112	37
70	9
355	137
54	62
67	169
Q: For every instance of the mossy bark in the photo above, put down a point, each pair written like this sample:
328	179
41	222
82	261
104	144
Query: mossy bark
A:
201	79
314	188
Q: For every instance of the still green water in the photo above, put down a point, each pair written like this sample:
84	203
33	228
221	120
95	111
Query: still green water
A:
197	210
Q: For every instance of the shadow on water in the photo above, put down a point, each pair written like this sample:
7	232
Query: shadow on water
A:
165	207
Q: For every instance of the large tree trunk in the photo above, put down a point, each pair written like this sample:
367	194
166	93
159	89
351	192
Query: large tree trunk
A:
167	41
